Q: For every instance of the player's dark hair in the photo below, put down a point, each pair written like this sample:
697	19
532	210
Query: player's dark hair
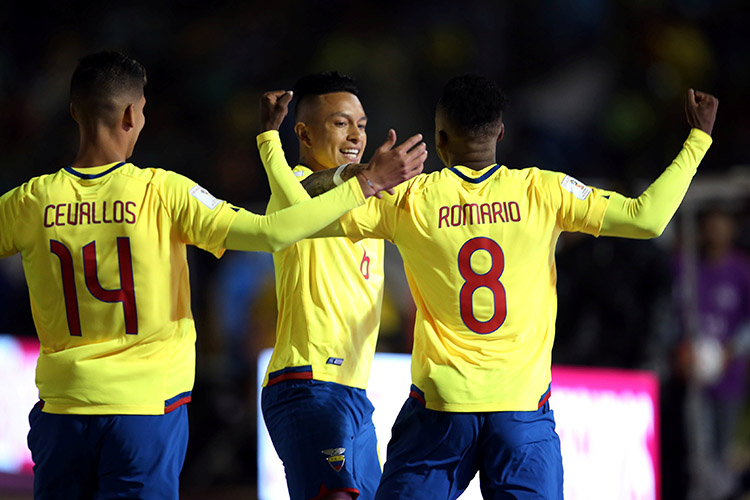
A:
323	83
473	103
103	78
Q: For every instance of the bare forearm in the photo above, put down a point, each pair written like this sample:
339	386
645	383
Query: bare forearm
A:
323	180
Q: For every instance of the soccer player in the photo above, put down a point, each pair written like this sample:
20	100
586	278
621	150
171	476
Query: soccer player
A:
329	295
103	244
478	242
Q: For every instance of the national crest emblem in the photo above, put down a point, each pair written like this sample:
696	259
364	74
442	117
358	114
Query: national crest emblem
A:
335	458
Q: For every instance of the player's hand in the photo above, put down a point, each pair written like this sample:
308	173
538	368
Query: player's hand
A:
274	106
700	109
390	166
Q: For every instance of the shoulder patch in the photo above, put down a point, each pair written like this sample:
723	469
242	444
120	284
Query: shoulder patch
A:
576	187
298	173
204	197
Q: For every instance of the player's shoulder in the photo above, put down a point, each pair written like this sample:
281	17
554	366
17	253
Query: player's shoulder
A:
302	168
530	174
426	180
35	187
301	171
160	177
147	174
534	177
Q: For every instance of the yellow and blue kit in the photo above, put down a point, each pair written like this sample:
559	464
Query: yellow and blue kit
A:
329	294
104	256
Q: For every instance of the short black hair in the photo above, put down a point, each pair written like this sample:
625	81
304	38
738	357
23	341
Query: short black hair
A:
323	83
103	78
472	103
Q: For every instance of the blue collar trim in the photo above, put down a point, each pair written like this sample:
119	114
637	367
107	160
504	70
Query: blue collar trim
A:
70	170
479	179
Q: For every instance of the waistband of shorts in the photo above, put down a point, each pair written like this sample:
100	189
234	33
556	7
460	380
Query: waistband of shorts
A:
290	373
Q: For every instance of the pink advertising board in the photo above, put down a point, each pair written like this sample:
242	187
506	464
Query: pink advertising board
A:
18	394
607	421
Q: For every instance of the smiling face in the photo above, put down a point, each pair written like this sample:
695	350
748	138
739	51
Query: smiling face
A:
331	130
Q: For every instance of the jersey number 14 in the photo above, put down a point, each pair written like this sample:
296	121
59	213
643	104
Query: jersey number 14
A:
125	294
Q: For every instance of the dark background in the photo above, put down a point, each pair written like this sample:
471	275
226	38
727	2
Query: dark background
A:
596	90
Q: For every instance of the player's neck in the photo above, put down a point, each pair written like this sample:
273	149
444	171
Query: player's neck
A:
99	149
472	154
471	157
309	162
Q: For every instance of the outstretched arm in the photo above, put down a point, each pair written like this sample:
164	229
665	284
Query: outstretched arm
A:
648	215
274	232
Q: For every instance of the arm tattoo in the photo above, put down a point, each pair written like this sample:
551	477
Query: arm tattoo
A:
319	182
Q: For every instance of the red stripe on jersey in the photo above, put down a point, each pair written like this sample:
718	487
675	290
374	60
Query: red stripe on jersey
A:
290	376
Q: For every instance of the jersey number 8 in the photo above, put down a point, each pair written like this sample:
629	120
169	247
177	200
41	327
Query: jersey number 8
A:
474	281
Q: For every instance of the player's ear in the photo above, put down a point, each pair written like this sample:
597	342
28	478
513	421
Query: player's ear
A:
303	133
502	132
128	117
442	138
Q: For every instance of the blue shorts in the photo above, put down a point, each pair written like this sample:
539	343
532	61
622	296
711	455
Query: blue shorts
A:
107	456
323	432
435	454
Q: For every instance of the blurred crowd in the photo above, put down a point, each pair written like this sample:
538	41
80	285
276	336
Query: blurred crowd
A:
596	90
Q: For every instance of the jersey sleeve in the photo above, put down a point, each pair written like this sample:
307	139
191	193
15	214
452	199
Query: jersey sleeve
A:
286	189
377	218
9	205
279	200
276	231
198	217
648	215
579	207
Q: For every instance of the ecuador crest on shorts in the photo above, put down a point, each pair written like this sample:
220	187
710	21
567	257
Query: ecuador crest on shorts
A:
335	457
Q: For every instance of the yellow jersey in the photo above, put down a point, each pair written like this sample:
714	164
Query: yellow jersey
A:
479	255
478	250
105	261
329	294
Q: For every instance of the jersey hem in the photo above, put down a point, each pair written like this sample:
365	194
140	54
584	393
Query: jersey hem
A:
316	377
61	409
482	408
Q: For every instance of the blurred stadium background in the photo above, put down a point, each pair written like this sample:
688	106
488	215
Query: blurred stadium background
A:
595	88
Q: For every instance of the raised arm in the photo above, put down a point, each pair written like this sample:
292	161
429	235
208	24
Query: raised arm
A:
389	166
648	215
274	106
